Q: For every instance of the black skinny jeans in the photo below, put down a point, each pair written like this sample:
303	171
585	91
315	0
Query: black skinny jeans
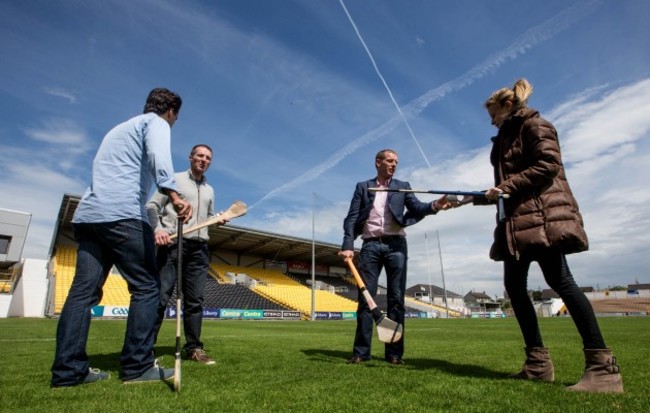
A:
557	275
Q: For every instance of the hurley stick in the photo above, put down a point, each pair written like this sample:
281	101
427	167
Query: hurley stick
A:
179	295
237	209
500	206
388	331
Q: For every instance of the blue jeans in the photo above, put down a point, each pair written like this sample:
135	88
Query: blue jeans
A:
392	256
129	245
195	273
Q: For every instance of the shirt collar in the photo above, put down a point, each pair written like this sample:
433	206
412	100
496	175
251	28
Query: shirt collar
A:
189	174
383	186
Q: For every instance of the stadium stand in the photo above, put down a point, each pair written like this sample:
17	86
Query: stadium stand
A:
221	278
64	262
282	289
8	278
623	306
115	292
333	283
431	308
232	296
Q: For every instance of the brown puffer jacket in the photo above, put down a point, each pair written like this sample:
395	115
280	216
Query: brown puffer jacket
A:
541	210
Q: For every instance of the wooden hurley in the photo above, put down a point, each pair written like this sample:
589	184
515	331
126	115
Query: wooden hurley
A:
179	296
237	209
389	331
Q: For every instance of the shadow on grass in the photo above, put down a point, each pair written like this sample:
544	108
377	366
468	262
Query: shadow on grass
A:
111	361
456	369
330	356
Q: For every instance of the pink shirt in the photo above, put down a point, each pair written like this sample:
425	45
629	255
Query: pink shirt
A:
380	221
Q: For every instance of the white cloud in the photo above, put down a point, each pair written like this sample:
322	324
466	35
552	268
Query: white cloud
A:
60	132
62	93
592	129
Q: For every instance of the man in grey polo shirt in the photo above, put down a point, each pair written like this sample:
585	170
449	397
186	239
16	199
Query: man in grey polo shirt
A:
193	188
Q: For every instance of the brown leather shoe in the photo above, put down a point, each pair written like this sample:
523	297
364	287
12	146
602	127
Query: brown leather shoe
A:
198	354
356	360
395	360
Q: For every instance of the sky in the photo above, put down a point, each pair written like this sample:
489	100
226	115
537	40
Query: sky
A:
297	96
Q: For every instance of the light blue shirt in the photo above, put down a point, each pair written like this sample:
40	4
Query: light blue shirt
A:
133	157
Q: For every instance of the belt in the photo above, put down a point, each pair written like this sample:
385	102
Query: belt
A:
193	241
385	239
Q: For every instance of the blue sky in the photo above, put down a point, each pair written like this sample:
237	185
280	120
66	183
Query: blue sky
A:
296	97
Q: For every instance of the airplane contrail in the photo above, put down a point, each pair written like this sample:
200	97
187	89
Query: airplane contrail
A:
390	93
523	43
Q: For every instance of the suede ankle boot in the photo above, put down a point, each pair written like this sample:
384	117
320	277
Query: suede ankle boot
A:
601	373
538	365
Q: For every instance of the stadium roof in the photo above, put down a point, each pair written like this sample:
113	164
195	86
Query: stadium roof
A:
239	240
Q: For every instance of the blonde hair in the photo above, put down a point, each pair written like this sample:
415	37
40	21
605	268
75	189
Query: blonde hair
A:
518	95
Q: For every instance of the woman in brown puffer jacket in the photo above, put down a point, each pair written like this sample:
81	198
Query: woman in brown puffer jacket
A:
542	223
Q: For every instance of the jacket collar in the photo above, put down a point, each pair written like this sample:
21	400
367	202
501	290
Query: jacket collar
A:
522	115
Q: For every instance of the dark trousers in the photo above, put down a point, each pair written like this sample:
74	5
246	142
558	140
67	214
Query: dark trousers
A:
391	256
195	273
557	275
129	245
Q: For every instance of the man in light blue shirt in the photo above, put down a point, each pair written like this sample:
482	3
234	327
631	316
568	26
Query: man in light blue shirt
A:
111	228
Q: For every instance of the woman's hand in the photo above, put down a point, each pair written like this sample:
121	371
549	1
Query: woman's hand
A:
493	194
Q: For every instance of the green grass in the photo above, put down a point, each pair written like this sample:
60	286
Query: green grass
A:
299	366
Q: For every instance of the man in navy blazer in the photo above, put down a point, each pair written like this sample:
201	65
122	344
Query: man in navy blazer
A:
380	218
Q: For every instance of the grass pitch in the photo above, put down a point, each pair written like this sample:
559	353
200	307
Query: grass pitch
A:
299	366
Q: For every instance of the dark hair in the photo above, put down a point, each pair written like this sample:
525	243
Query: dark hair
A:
160	100
382	154
200	145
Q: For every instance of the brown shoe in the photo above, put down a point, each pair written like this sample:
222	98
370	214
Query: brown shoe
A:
601	375
397	361
199	355
538	366
356	360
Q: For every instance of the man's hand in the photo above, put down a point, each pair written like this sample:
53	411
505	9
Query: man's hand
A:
346	254
162	238
183	209
225	220
445	202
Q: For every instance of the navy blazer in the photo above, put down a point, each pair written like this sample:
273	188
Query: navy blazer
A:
361	206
